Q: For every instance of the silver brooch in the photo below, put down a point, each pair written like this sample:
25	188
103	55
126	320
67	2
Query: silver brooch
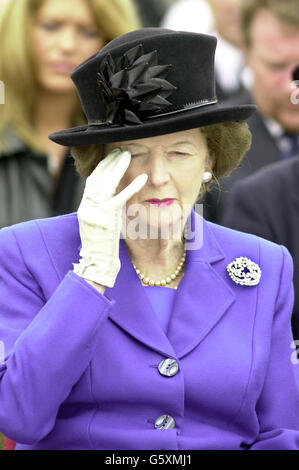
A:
244	271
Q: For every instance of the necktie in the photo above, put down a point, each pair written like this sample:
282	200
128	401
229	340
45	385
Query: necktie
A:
289	144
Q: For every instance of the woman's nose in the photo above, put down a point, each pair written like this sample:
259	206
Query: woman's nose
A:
158	172
67	39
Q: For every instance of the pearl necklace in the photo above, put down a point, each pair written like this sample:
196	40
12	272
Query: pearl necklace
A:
168	279
163	282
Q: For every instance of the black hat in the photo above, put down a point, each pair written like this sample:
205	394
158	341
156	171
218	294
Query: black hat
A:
146	83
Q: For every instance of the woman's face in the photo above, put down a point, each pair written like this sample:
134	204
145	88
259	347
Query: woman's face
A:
174	164
64	35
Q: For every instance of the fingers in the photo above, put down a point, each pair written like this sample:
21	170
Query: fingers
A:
130	190
107	175
103	164
119	167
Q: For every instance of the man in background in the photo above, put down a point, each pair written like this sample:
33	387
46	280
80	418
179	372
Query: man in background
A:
271	36
266	204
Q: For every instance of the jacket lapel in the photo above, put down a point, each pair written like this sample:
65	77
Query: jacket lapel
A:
203	296
201	300
132	310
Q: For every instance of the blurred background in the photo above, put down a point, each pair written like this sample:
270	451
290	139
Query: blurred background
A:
41	42
256	61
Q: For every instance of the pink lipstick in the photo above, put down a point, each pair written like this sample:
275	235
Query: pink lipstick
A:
161	202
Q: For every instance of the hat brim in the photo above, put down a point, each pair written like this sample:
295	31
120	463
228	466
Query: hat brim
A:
188	119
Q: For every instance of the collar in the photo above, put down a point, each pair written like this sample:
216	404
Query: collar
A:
196	309
282	138
275	129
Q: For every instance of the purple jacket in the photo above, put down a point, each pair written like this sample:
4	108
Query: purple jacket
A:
81	368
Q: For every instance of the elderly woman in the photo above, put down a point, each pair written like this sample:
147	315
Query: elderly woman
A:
135	324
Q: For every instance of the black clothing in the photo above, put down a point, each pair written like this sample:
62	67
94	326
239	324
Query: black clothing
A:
26	188
267	204
264	150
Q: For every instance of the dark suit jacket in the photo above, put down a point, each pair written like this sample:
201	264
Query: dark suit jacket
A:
263	151
267	204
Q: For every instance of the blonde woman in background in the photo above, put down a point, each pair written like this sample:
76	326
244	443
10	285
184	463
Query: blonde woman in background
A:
41	42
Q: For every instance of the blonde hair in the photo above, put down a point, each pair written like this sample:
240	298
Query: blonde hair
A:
113	18
286	11
227	144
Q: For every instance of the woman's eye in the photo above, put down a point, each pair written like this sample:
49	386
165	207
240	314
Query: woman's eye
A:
89	33
54	26
49	26
137	155
172	154
178	154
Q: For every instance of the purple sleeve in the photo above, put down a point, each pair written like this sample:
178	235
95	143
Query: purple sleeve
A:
278	406
47	345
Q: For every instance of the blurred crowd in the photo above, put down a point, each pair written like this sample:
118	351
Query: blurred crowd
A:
256	61
256	58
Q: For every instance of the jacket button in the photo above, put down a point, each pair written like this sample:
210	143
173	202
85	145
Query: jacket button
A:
168	367
164	422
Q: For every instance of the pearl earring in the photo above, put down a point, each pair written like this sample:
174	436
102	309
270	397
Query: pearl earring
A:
207	176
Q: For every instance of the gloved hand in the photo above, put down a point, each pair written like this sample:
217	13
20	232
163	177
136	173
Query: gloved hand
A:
100	218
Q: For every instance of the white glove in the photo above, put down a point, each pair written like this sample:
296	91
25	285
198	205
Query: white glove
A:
100	218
